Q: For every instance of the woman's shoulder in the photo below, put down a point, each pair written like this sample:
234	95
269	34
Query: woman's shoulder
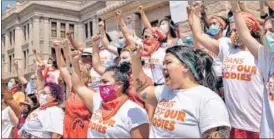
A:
129	105
205	93
55	109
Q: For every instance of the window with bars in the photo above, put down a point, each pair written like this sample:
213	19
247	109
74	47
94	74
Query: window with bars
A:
25	32
71	28
86	30
28	30
13	36
10	62
91	29
10	38
26	53
53	29
63	30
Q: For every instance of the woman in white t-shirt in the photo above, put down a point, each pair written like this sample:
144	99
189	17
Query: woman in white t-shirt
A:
8	120
243	84
156	41
113	114
46	121
265	57
186	105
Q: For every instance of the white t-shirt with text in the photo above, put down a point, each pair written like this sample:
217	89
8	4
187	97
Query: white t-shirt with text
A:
6	123
187	113
243	86
266	65
129	116
42	123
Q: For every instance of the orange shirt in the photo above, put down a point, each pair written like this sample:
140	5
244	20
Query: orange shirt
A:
77	117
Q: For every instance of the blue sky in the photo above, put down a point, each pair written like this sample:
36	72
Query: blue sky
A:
5	3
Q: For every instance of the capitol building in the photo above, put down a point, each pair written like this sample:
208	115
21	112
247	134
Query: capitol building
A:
35	24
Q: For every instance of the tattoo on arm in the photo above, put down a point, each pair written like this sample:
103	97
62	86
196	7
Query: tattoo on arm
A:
219	132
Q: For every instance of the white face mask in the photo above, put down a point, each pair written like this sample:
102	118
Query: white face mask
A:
42	99
164	28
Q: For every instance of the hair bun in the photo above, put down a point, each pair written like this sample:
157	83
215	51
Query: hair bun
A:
125	67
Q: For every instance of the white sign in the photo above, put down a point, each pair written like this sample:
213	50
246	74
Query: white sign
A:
178	10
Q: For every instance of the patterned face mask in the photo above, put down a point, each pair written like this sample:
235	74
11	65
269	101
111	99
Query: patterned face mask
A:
235	38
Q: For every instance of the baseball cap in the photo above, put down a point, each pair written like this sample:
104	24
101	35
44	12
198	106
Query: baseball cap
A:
87	52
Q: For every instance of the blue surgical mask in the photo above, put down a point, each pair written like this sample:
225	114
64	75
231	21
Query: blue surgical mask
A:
214	30
269	41
122	43
10	85
189	40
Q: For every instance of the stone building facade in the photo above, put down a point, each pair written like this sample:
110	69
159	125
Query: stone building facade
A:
35	24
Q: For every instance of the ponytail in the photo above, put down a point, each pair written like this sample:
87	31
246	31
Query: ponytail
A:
204	69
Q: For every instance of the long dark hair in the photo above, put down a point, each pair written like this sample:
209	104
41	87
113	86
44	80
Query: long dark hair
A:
199	63
121	74
172	28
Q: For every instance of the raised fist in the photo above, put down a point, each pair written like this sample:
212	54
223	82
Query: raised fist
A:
69	34
140	8
118	13
34	51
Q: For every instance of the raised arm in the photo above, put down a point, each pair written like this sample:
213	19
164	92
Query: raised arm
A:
126	32
40	78
20	72
79	87
61	64
67	52
244	33
75	44
9	100
209	43
96	62
190	23
270	4
144	17
37	57
105	41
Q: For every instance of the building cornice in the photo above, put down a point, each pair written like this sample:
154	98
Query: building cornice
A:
51	4
126	6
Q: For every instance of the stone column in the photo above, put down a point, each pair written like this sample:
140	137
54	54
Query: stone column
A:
36	34
19	42
47	48
58	30
18	52
6	62
95	26
80	32
67	27
30	34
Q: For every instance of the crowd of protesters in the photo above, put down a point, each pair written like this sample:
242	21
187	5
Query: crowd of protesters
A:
217	83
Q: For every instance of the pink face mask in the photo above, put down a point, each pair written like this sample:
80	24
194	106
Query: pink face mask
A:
107	92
